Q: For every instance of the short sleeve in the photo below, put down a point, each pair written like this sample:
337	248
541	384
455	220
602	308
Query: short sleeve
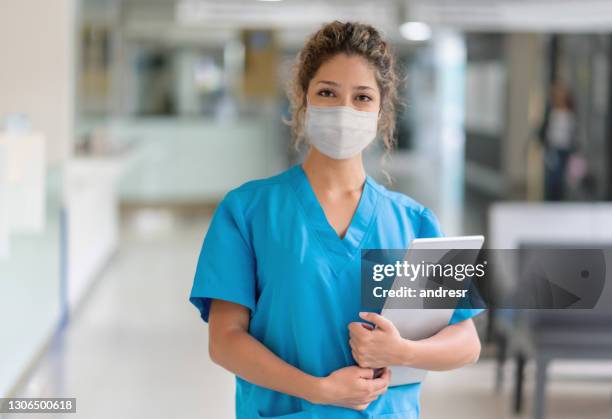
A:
430	226
226	266
462	314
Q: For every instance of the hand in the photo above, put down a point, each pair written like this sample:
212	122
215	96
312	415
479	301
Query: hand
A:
353	387
377	347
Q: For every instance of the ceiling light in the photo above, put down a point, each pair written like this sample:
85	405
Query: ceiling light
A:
415	31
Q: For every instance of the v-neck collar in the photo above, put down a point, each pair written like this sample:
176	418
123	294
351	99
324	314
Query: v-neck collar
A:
315	216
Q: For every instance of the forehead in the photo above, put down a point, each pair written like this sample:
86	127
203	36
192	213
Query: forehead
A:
347	70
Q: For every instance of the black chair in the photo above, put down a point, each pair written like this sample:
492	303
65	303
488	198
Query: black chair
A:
546	335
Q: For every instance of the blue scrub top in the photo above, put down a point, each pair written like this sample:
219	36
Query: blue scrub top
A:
271	249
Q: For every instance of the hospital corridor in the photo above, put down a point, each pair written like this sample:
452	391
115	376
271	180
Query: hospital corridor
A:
134	349
193	194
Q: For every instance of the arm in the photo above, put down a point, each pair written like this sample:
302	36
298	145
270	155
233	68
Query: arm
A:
453	347
232	347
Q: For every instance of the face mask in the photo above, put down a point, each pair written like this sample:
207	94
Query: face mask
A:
340	132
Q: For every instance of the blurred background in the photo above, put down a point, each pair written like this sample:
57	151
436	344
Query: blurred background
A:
125	121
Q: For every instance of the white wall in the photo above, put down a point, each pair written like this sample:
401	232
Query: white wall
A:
36	67
36	78
196	160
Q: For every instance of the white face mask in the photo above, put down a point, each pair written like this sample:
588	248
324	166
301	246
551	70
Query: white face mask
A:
340	132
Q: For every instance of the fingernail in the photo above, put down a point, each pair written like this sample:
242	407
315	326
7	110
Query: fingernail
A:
363	314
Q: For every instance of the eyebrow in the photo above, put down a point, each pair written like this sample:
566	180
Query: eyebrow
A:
364	88
333	83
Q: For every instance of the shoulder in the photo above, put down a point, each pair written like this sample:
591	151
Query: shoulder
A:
255	192
423	218
397	199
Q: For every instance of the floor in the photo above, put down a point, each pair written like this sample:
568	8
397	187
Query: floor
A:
136	348
468	393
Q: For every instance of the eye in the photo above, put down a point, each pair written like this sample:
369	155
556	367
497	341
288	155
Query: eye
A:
363	98
326	93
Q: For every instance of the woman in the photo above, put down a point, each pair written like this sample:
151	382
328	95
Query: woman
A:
278	277
558	135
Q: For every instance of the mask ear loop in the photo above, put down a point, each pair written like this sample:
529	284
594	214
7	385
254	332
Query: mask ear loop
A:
378	121
305	116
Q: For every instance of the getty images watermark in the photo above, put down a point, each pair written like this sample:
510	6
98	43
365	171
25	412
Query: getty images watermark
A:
532	277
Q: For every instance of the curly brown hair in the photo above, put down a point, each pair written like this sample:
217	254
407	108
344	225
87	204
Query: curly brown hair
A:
350	38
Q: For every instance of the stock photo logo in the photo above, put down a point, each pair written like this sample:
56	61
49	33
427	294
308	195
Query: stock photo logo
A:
531	277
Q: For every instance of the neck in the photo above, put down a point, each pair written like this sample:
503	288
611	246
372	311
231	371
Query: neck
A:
331	174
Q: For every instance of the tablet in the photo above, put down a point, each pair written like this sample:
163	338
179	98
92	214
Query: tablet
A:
417	324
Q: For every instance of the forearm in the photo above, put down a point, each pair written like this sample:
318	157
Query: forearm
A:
242	354
453	347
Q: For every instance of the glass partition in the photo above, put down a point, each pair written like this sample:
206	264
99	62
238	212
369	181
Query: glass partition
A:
31	287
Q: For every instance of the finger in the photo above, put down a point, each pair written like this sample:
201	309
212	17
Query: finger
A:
381	382
378	385
372	397
356	329
367	326
356	341
357	344
380	392
377	319
386	375
366	373
362	406
352	325
365	364
354	346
